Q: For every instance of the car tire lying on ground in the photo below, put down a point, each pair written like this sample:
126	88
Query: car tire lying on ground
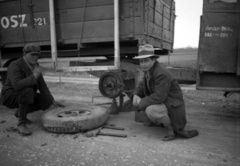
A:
74	118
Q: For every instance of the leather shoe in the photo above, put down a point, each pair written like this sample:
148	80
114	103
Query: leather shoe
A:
23	130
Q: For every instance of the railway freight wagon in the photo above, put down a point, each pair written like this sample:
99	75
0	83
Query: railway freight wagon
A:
86	27
219	46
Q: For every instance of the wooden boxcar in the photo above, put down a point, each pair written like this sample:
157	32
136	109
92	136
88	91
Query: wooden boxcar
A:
86	26
219	46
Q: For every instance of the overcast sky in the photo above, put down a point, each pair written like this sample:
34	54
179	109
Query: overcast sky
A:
187	23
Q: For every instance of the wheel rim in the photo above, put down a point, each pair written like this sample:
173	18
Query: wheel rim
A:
74	113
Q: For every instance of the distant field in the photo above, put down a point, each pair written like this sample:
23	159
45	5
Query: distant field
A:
187	59
180	59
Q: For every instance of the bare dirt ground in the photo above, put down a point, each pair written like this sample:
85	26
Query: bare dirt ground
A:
217	119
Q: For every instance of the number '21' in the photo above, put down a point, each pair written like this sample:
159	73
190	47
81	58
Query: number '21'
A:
40	21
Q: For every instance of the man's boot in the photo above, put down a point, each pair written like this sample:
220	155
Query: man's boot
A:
22	116
23	130
170	134
17	116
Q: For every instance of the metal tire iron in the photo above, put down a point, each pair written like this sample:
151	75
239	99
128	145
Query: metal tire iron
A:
96	132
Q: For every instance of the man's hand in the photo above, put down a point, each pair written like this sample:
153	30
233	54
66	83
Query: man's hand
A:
57	104
136	100
37	71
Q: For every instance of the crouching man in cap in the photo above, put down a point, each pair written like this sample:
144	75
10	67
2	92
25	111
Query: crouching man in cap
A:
160	96
24	79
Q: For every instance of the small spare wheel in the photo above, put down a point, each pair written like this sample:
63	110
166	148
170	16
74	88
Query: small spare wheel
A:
74	118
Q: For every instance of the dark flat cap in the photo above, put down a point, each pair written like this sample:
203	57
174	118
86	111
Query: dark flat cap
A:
31	48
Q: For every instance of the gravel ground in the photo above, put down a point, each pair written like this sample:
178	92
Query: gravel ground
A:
217	119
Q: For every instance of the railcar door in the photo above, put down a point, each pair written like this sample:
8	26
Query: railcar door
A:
218	58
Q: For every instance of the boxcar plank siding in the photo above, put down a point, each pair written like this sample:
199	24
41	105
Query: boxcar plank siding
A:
12	8
138	30
163	44
64	4
102	28
95	28
150	15
24	6
167	36
91	14
168	2
157	32
141	20
166	12
154	30
158	24
158	19
41	5
166	23
38	33
159	6
70	30
12	36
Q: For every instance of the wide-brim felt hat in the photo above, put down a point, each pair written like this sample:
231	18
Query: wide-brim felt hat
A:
145	51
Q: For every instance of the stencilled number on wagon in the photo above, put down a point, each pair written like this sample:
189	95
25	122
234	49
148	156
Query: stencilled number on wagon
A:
13	21
40	21
16	21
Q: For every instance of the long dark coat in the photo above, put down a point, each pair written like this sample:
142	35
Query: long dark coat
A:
160	87
19	76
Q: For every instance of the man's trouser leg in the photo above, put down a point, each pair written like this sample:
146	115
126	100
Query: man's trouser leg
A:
21	100
26	99
31	101
42	101
158	114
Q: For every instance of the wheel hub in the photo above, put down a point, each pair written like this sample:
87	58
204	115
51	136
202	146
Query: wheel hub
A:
111	84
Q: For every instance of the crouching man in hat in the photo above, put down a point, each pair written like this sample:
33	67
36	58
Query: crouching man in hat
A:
160	96
24	79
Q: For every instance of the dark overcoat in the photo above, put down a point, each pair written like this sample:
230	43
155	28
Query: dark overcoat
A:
160	87
19	76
